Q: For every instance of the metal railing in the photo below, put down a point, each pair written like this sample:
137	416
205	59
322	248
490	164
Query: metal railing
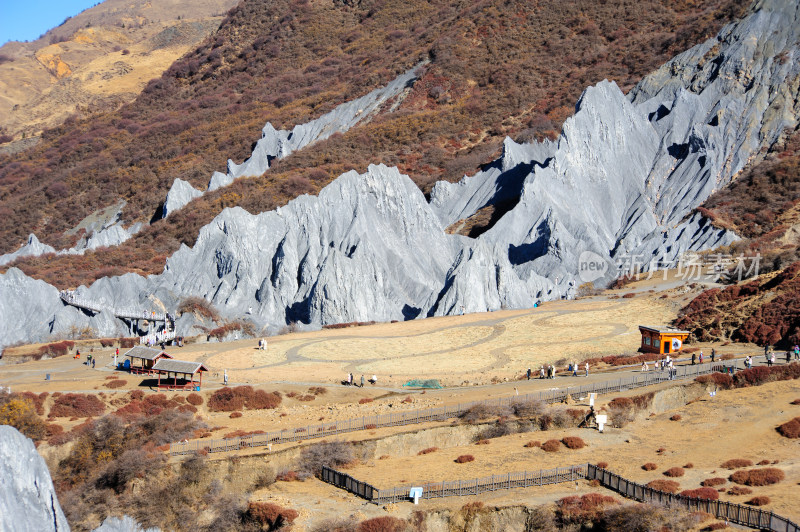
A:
455	488
735	513
448	412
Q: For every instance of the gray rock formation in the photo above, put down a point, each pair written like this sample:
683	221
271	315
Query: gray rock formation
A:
28	500
180	193
32	248
123	524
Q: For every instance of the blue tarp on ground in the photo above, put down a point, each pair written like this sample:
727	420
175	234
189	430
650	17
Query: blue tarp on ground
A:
417	383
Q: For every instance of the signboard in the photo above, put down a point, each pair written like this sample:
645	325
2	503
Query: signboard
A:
415	494
676	344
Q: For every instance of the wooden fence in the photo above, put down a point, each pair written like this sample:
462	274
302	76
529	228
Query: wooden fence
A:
442	413
735	513
455	488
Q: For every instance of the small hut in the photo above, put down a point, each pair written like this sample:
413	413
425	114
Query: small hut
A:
661	340
142	359
175	368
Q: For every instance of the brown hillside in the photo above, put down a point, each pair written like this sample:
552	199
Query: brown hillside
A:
497	69
97	60
762	205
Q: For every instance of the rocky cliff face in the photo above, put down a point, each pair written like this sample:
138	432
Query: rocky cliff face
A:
28	500
618	186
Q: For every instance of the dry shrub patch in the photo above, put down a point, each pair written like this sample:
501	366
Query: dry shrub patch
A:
234	415
602	465
241	397
790	429
385	523
675	417
580	508
533	443
194	399
716	526
669	486
289	476
573	442
551	446
332	454
688	466
736	463
464	458
739	490
649	466
116	383
711	482
365	400
428	451
270	514
702	493
77	405
482	442
758	477
760	500
795	402
763	462
674	472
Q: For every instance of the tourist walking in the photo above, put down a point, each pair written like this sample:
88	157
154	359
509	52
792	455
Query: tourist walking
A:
797	352
694	358
574	369
362	381
713	354
529	373
771	358
701	357
587	369
788	356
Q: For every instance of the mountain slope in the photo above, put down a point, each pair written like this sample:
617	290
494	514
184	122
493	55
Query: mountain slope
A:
97	60
210	106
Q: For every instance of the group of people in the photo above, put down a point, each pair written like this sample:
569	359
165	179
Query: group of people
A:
549	371
349	381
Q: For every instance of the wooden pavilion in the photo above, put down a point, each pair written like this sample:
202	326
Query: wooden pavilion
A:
142	359
187	370
662	340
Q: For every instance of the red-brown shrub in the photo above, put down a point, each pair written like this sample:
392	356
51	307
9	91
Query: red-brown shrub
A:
795	402
760	500
551	446
407	399
736	463
116	383
711	482
674	472
583	507
482	442
270	514
790	429
739	490
602	465
77	405
307	397
239	397
688	466
365	400
649	466
194	399
702	493
234	415
669	486
722	380
464	458
763	462
385	523
675	417
716	526
573	442
428	451
533	443
758	477
288	476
